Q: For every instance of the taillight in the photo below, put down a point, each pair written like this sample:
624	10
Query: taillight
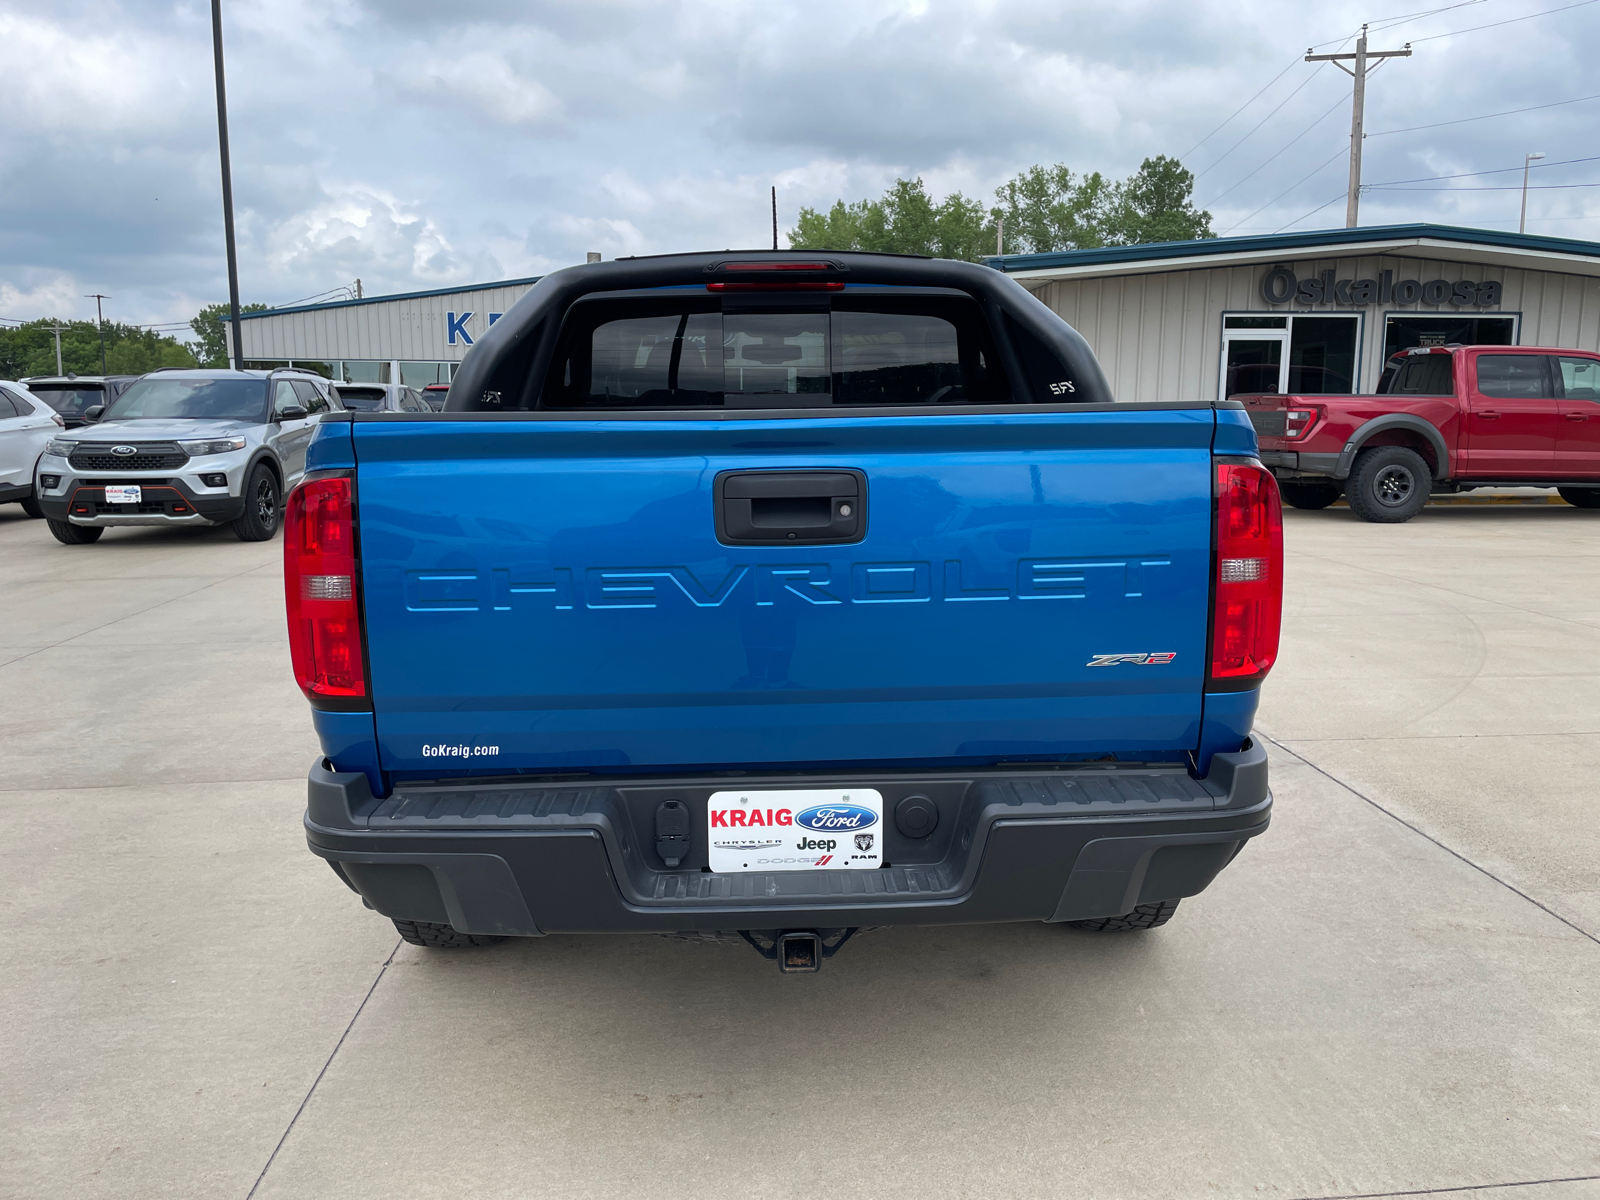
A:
1297	420
321	589
1248	608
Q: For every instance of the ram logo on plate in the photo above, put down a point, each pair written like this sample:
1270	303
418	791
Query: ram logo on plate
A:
836	818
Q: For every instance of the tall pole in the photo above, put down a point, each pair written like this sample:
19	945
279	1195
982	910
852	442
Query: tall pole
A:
1358	104
57	324
100	323
1522	222
774	216
1000	233
227	186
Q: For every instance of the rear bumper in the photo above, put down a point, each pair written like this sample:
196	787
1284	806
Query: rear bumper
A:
1289	463
531	858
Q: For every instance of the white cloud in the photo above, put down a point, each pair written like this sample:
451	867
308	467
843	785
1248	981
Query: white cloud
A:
415	144
488	84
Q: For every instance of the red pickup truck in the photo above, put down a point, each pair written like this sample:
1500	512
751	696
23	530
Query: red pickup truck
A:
1444	419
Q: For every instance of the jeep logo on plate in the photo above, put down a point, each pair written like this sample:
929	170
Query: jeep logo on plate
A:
124	451
835	817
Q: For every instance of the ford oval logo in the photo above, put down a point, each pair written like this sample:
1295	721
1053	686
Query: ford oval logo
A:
124	451
830	818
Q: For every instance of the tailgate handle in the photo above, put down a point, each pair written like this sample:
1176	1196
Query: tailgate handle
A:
774	508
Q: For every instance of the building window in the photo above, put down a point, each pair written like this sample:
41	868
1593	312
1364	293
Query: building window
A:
421	374
1293	354
352	371
1401	331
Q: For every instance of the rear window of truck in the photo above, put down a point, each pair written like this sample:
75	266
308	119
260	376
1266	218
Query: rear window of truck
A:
867	351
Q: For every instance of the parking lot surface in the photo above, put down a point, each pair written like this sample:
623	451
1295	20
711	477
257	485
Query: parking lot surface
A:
1396	990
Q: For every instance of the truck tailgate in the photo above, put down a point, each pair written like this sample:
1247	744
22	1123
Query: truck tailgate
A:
551	593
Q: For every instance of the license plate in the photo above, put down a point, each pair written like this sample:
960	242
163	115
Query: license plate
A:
825	829
129	494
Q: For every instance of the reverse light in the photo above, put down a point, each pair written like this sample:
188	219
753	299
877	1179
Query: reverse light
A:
1247	609
321	591
1297	421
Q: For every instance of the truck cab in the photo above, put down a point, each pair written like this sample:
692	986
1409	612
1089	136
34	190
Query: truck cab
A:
1444	419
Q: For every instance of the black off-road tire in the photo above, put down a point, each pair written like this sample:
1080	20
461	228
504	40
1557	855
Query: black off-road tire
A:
1580	497
31	507
1388	485
69	534
441	937
1303	494
1146	916
263	507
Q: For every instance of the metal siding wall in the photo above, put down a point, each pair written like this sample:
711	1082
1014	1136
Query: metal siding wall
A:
1158	336
411	330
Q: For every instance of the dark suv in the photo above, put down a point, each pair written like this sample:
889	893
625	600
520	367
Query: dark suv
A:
73	395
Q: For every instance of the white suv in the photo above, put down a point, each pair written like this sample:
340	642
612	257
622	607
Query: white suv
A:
204	447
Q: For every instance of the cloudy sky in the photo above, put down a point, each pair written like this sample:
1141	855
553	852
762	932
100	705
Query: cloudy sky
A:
429	143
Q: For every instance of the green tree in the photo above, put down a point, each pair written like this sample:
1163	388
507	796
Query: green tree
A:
1049	208
31	349
905	220
210	327
1044	208
1156	204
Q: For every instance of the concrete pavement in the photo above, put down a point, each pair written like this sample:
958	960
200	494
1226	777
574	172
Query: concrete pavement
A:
1393	991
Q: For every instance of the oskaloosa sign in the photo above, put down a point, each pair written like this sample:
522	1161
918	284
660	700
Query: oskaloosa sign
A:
1280	286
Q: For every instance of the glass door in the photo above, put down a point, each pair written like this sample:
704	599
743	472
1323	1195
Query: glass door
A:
1253	362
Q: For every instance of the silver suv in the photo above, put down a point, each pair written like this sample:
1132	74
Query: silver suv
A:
206	447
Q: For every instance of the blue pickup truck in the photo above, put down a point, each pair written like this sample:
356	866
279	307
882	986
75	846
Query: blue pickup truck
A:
783	594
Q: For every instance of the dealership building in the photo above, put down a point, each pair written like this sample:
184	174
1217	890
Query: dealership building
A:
1315	312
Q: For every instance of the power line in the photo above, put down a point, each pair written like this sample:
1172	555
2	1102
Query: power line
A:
1336	154
1312	213
1512	21
1473	174
1510	112
1292	141
1243	106
1217	162
1537	187
1390	22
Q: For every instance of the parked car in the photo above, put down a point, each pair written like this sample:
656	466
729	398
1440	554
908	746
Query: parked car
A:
73	395
26	426
381	397
1444	419
758	603
199	447
436	394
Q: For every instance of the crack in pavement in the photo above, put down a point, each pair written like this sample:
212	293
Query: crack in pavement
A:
1574	926
288	1129
1465	1187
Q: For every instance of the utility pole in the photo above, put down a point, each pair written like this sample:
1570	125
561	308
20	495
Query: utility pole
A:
1522	224
358	287
227	186
1000	234
57	324
774	216
99	320
1358	104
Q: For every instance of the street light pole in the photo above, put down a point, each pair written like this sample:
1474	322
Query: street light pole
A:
100	323
227	186
1522	223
